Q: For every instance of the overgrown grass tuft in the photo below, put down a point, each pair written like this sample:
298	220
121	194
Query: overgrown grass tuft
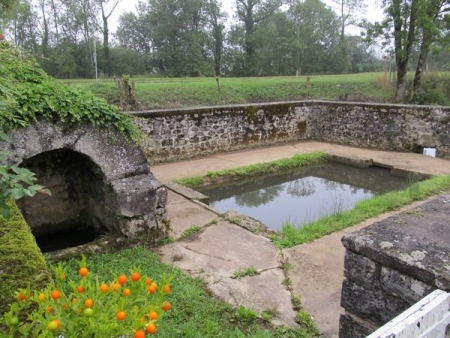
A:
193	182
194	313
191	230
266	168
250	271
292	236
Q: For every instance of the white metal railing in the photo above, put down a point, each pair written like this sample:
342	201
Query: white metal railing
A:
428	318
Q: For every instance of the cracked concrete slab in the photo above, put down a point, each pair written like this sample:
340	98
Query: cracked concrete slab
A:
186	214
224	248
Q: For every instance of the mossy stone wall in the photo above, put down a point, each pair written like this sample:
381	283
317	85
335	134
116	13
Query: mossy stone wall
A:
185	133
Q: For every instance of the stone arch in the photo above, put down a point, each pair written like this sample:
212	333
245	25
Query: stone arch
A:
96	175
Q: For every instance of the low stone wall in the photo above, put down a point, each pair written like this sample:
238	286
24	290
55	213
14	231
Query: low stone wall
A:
185	133
392	264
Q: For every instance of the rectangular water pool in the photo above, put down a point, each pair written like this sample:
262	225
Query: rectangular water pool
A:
302	195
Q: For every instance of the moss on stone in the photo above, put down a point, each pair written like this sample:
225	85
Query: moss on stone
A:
21	261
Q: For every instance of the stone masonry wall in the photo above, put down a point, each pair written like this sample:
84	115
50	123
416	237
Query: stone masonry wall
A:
393	264
184	133
187	133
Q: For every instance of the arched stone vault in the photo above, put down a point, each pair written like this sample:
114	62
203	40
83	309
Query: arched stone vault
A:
95	175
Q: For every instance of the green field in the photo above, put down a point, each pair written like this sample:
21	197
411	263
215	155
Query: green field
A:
154	93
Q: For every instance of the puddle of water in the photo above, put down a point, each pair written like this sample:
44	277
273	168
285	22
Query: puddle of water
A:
429	152
303	195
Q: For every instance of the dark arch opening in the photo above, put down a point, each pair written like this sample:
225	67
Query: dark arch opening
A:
81	203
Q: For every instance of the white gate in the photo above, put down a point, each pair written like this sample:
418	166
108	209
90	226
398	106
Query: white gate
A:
428	318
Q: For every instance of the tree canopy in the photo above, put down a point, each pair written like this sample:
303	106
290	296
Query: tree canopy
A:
188	38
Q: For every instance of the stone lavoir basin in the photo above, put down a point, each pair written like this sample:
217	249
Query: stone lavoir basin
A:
303	195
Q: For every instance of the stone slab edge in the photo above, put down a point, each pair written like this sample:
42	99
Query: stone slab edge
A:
366	243
354	160
187	192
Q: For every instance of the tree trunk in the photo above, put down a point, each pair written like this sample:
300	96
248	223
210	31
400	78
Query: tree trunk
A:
45	32
56	20
106	56
403	48
424	49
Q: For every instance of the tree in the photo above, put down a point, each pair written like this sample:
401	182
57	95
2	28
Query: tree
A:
408	22
250	12
347	11
363	57
134	31
431	19
107	8
6	7
23	27
404	16
400	25
275	37
175	34
317	33
215	19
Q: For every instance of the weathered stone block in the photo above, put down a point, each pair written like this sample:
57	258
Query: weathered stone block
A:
415	250
137	195
402	286
350	327
370	303
361	270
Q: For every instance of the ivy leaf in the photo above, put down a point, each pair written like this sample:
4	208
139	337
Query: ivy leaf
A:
4	137
17	193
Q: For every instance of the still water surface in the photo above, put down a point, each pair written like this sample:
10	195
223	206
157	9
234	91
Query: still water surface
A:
303	195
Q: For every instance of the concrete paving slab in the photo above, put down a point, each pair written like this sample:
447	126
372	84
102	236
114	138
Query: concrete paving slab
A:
220	250
183	214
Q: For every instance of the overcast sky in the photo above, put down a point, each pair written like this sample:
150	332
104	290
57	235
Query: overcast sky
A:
374	12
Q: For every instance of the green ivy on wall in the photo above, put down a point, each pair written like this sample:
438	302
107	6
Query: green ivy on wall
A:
28	94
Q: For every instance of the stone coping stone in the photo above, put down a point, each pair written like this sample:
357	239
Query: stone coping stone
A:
145	113
187	192
415	242
350	160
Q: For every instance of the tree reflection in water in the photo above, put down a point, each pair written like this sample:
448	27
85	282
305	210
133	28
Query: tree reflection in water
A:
259	197
301	187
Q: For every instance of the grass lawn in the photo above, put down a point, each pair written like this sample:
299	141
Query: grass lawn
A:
153	93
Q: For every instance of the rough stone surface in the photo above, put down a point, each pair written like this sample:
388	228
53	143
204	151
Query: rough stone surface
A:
361	270
394	263
414	243
96	178
349	326
370	303
185	133
403	286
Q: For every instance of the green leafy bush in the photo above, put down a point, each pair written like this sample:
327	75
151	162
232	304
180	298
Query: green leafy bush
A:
28	94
